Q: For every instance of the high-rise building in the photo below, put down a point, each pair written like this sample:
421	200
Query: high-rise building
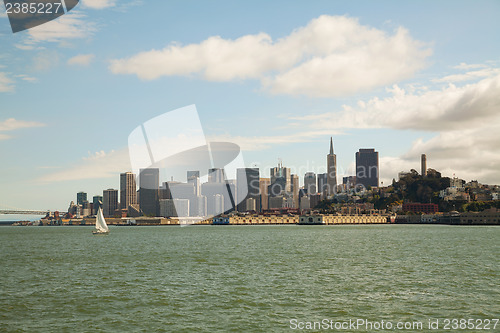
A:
149	181
216	175
247	186
128	190
81	197
423	165
295	191
109	202
264	194
331	165
322	179
310	182
174	207
224	190
367	167
193	177
281	175
96	203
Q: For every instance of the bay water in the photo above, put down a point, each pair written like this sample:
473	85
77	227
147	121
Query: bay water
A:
245	278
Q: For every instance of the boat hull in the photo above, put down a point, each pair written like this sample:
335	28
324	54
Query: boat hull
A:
97	233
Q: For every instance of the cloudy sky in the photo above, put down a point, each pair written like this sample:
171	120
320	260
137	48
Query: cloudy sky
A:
277	78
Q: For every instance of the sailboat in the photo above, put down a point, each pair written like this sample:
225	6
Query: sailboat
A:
101	228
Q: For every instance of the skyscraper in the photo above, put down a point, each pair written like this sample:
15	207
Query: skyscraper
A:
109	202
81	197
310	182
295	191
264	193
423	165
193	177
282	176
247	186
96	203
149	181
331	165
367	168
216	175
128	190
322	178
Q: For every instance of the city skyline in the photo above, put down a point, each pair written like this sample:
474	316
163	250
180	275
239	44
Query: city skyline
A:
406	79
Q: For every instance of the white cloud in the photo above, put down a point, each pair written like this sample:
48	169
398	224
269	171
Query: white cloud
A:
73	25
12	124
81	59
98	4
6	83
447	109
95	166
27	78
469	76
331	56
45	60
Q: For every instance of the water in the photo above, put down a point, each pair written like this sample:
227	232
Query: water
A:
244	278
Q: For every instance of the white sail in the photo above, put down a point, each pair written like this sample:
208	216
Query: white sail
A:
100	222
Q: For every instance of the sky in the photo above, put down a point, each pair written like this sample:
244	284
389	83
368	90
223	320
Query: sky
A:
277	78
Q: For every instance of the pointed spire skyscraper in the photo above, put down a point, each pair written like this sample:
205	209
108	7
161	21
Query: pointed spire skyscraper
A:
331	165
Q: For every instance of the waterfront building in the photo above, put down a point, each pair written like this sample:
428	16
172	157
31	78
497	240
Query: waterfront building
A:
247	186
305	203
367	172
331	176
251	205
264	192
218	204
128	190
224	190
199	206
310	182
149	181
415	207
96	203
109	202
81	197
423	165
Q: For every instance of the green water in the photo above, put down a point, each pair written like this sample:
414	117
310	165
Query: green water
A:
244	278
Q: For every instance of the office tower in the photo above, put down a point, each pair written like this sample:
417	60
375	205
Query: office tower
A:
81	197
322	178
251	204
96	203
295	191
314	200
224	190
174	207
216	175
247	186
283	176
199	206
310	182
367	167
128	190
149	180
218	204
193	177
305	203
331	165
109	202
264	193
423	165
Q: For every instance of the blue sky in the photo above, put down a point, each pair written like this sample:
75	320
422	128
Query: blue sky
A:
277	78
